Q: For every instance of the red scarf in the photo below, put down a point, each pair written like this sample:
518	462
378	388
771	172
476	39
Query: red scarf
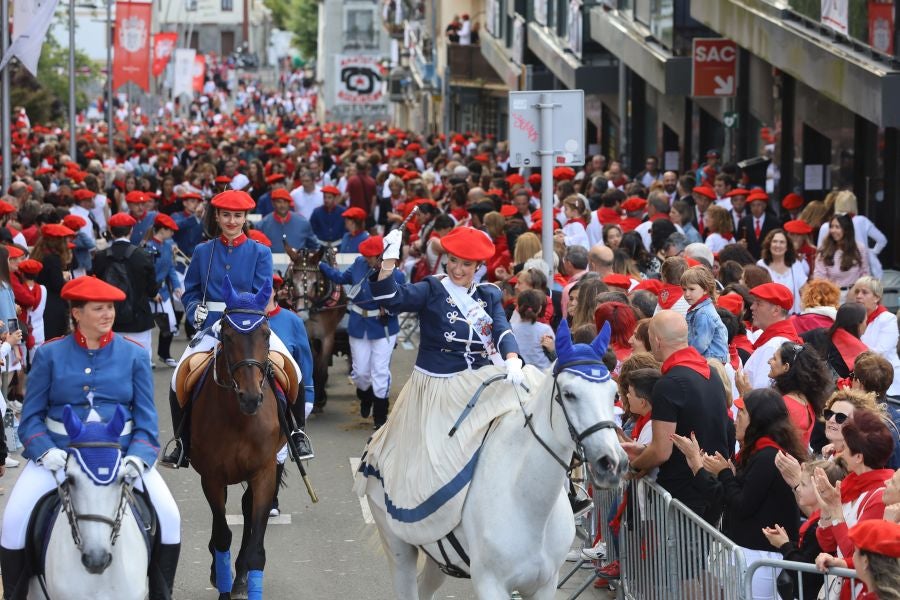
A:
848	345
763	442
658	216
578	220
698	302
669	295
639	425
560	279
687	357
878	310
853	485
810	521
728	236
733	357
741	342
783	329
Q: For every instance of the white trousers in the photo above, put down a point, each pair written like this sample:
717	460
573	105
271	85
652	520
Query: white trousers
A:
144	338
372	364
764	585
35	481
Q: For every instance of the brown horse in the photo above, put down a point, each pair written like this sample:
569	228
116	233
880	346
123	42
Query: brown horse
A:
322	304
235	436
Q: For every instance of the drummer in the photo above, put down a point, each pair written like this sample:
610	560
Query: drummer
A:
94	371
372	331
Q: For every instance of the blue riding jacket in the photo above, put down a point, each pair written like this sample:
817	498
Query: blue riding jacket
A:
370	323
65	371
190	232
350	243
290	329
164	262
142	227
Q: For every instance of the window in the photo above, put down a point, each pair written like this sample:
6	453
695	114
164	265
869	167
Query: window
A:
227	5
189	5
359	28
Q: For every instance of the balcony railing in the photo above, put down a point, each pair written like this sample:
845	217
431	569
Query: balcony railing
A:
467	62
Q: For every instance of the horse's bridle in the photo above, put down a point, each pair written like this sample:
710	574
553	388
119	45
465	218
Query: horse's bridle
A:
265	367
577	437
115	523
313	303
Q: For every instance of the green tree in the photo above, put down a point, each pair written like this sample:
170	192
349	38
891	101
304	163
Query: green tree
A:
46	97
301	18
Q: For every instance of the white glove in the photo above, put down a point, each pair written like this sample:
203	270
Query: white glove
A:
54	459
514	373
132	468
392	243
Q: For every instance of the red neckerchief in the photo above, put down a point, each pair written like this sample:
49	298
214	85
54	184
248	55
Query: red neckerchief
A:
687	357
629	224
728	236
639	425
810	521
741	342
235	242
669	295
82	341
783	329
848	345
878	310
560	279
658	216
283	219
274	311
460	213
733	357
578	220
763	442
698	302
853	485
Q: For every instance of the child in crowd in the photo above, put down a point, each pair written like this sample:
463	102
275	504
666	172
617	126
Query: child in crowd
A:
706	332
528	330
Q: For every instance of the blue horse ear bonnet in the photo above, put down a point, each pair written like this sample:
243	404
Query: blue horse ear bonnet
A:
100	463
245	311
592	354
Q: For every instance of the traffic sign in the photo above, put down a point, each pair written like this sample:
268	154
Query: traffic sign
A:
714	72
567	132
730	120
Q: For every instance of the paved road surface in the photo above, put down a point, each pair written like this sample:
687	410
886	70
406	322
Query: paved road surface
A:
324	551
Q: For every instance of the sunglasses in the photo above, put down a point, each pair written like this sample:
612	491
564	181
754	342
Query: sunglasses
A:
839	418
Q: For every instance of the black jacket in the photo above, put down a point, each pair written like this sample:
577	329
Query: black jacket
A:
747	232
805	551
56	310
142	274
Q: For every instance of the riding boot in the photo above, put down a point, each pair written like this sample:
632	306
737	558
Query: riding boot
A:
12	565
379	411
178	457
166	561
366	397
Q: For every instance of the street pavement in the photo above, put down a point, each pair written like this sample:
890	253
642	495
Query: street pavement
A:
325	550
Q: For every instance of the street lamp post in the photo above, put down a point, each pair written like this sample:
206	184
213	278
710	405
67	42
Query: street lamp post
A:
6	113
110	121
72	74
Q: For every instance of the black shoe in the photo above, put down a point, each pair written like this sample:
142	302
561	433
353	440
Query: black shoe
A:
163	565
365	401
179	456
380	411
12	565
303	444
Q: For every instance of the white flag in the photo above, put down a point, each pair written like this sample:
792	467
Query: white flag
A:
184	72
31	19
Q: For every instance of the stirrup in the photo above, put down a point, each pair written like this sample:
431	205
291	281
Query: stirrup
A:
303	444
176	458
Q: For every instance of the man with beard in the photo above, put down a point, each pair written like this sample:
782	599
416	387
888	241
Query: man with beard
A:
670	185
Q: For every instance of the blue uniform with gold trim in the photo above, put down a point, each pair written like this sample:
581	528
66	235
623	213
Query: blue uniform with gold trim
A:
190	232
447	343
364	326
66	372
290	329
142	227
350	243
164	263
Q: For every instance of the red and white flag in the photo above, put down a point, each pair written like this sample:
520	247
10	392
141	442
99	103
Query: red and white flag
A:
199	72
163	45
31	19
131	48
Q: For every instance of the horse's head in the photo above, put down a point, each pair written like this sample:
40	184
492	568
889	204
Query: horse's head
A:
308	286
587	393
94	492
245	345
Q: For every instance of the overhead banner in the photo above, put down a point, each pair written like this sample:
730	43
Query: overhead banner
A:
834	15
163	45
881	26
31	19
131	49
360	80
199	75
183	72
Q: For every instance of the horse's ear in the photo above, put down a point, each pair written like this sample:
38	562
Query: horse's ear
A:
601	342
563	340
117	423
229	292
71	422
289	250
262	296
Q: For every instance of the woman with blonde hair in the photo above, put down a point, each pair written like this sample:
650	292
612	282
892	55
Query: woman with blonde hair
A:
528	245
720	228
820	300
845	204
815	213
881	334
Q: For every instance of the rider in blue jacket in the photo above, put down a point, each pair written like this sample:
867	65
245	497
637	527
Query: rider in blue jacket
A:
94	371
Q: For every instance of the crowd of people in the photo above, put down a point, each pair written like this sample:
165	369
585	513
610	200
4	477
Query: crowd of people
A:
756	361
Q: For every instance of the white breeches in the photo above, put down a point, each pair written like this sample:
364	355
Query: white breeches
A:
372	364
35	481
209	342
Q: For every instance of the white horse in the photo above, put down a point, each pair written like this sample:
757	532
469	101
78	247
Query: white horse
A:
96	549
517	524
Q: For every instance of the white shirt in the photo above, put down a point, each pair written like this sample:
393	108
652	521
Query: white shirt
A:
757	366
715	242
881	336
84	213
644	230
576	235
594	231
306	203
724	203
794	279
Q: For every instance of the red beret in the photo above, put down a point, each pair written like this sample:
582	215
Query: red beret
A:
277	281
15	251
223	179
399	172
83	194
508	210
651	285
564	173
618	280
233	200
90	289
538	214
190	196
468	244
411	175
534	179
877	536
6	208
798	226
482	158
74	222
56	230
792	201
372	246
774	293
692	262
135	197
275	178
634	204
354	212
44	171
29	266
122	220
705	190
166	221
536	225
758	195
258	236
515	179
330	189
282	194
737	192
733	303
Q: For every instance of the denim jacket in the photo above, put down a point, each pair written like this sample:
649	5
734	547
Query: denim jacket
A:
706	332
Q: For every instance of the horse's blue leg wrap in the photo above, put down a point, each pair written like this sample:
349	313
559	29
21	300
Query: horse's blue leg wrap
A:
254	585
223	572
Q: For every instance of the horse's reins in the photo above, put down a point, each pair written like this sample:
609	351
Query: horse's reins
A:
265	367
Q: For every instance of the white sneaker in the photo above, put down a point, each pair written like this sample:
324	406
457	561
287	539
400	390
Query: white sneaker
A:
574	556
11	463
274	512
598	552
171	362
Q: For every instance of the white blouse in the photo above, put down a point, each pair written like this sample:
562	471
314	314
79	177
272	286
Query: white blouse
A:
793	279
881	336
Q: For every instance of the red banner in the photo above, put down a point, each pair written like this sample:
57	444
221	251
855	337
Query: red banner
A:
199	72
131	46
163	45
881	26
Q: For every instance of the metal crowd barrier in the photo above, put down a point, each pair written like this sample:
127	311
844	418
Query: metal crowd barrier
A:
596	521
806	581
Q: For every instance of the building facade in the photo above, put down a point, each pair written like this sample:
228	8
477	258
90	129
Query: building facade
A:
218	26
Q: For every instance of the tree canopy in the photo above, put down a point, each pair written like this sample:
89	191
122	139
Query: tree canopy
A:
301	18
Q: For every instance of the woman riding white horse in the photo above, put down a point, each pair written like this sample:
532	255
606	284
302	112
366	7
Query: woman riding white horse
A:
97	372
